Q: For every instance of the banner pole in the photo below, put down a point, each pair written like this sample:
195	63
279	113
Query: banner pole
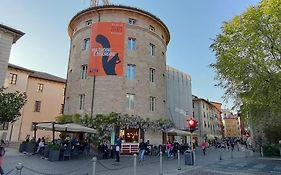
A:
93	96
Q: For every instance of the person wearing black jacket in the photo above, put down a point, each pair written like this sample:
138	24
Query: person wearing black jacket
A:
142	148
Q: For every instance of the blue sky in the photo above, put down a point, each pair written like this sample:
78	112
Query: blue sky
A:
192	25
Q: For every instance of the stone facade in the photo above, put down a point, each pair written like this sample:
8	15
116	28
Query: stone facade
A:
8	36
110	91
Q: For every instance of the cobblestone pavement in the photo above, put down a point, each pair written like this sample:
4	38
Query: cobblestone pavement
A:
242	163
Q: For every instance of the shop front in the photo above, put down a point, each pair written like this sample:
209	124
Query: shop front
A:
130	140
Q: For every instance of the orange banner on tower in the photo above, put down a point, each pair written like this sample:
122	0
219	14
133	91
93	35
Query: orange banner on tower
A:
106	49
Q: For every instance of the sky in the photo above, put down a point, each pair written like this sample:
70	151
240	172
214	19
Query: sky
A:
193	24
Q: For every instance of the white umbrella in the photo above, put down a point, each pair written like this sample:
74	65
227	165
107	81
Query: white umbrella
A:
73	127
68	127
177	132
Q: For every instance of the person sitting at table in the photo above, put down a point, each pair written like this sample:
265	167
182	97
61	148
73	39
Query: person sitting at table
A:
41	145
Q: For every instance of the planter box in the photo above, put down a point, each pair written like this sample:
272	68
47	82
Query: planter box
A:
54	155
30	147
22	147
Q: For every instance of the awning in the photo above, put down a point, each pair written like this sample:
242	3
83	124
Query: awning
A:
68	127
177	132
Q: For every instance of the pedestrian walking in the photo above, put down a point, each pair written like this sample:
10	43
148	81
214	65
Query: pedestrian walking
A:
169	149
118	149
2	153
142	148
204	146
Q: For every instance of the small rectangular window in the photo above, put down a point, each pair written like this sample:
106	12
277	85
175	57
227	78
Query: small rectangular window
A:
151	74
4	126
37	107
130	101
13	78
152	49
132	21
152	104
89	22
83	72
81	101
40	87
62	109
86	44
151	28
131	44
131	72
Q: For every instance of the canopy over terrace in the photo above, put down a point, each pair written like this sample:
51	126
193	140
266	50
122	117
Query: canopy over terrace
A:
177	132
68	127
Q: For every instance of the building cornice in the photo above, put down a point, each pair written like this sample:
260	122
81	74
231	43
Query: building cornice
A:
17	34
118	7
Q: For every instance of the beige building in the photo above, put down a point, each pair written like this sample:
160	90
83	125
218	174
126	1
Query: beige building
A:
8	36
232	124
141	89
45	95
208	120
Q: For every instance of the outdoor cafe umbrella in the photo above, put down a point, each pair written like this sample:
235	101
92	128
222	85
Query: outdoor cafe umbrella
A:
177	132
68	127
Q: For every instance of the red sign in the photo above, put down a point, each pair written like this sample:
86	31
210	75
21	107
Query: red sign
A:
106	49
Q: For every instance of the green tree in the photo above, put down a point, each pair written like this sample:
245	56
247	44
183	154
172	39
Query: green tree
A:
248	64
10	105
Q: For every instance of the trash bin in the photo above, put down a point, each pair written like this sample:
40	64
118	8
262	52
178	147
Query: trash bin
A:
188	157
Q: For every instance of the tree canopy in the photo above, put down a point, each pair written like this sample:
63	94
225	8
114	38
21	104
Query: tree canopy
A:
248	64
10	105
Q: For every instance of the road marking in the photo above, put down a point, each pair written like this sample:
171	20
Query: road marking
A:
259	166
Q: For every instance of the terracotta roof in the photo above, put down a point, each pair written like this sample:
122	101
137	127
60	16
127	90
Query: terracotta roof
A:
18	33
41	75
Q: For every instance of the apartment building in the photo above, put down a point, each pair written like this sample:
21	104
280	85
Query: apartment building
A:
208	120
45	97
8	37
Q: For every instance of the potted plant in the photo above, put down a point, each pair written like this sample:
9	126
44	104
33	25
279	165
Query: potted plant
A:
30	146
22	147
54	152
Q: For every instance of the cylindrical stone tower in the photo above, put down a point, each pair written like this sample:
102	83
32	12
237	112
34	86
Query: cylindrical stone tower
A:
141	88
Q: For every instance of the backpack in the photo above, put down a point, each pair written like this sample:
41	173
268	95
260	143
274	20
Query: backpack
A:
2	151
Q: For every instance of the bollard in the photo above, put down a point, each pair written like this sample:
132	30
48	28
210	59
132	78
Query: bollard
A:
135	164
220	154
193	155
179	160
261	151
94	165
231	154
161	165
19	168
